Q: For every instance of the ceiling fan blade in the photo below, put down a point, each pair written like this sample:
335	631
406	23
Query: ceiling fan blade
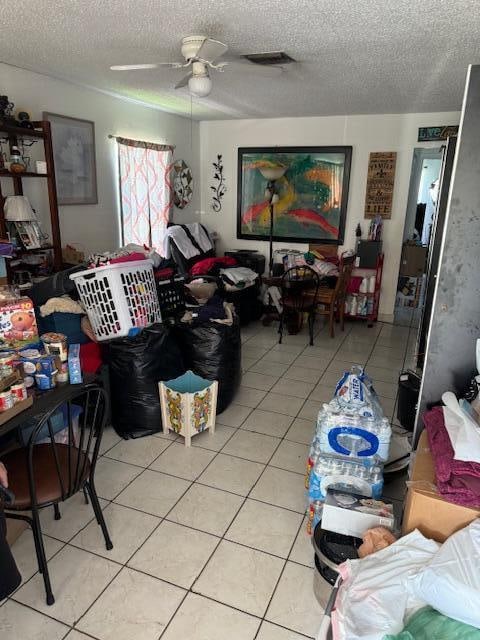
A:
211	50
257	69
184	81
132	67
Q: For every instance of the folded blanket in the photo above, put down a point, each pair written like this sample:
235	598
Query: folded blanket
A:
61	305
457	481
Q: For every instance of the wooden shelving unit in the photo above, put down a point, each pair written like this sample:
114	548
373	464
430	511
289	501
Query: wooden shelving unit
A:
377	271
42	132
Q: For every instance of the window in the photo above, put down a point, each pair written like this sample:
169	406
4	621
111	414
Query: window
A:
145	191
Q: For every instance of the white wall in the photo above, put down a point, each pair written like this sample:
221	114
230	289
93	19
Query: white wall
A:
364	133
96	227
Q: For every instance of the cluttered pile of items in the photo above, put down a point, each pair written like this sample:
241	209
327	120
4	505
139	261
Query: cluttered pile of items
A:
393	582
29	362
132	319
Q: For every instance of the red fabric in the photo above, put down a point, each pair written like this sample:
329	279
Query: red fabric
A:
130	258
164	274
457	481
354	284
203	267
91	357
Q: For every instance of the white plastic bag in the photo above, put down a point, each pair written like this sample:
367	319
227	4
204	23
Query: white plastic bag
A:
374	599
450	583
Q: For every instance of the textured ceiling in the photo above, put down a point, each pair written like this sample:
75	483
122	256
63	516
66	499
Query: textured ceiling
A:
355	56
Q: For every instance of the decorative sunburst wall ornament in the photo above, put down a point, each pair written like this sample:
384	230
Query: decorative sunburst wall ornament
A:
218	187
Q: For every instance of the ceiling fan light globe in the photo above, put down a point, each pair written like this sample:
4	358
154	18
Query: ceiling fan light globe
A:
200	86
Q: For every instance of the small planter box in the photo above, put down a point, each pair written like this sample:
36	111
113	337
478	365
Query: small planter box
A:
189	405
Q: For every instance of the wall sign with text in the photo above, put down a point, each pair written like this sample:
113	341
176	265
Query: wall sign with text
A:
430	134
380	181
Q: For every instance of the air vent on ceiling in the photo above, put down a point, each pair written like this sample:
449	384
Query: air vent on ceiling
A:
269	57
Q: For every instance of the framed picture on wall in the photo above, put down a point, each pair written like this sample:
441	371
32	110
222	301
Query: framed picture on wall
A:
311	195
73	142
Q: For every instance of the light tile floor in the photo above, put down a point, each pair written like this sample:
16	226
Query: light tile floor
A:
209	542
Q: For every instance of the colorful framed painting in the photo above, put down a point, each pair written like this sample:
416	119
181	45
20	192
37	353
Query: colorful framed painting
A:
312	193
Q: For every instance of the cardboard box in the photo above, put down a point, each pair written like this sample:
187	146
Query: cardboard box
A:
18	325
351	514
425	509
413	262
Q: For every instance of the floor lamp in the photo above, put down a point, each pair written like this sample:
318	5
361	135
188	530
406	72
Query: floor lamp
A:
272	174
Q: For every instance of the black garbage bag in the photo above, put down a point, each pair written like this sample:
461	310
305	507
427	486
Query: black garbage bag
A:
136	366
213	351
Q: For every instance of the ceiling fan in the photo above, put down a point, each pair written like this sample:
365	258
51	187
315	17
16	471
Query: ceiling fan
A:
201	55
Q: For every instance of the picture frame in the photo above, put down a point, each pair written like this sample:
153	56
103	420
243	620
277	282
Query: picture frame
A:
312	194
73	142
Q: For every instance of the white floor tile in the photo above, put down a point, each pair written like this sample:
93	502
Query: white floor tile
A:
254	353
175	553
247	363
310	410
301	431
291	456
23	551
249	397
294	604
76	635
302	375
330	379
251	446
240	577
259	381
287	348
232	474
281	488
139	451
302	551
322	392
183	462
283	357
153	492
311	362
75	515
389	362
271	422
293	388
269	368
128	529
277	537
77	578
277	403
234	415
20	623
109	439
133	606
112	476
213	441
269	631
202	619
207	509
386	389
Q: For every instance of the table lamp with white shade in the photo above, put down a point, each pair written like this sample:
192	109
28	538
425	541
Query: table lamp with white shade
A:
271	174
18	209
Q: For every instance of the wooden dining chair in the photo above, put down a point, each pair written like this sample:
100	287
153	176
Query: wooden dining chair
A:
56	465
333	300
299	290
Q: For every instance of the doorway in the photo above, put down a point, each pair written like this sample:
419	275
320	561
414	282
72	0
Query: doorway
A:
422	198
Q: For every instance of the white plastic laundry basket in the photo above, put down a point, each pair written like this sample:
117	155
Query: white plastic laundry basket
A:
118	297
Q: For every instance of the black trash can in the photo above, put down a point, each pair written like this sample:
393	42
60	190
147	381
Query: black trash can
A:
408	392
331	549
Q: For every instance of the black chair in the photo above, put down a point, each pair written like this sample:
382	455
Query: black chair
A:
299	289
57	464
